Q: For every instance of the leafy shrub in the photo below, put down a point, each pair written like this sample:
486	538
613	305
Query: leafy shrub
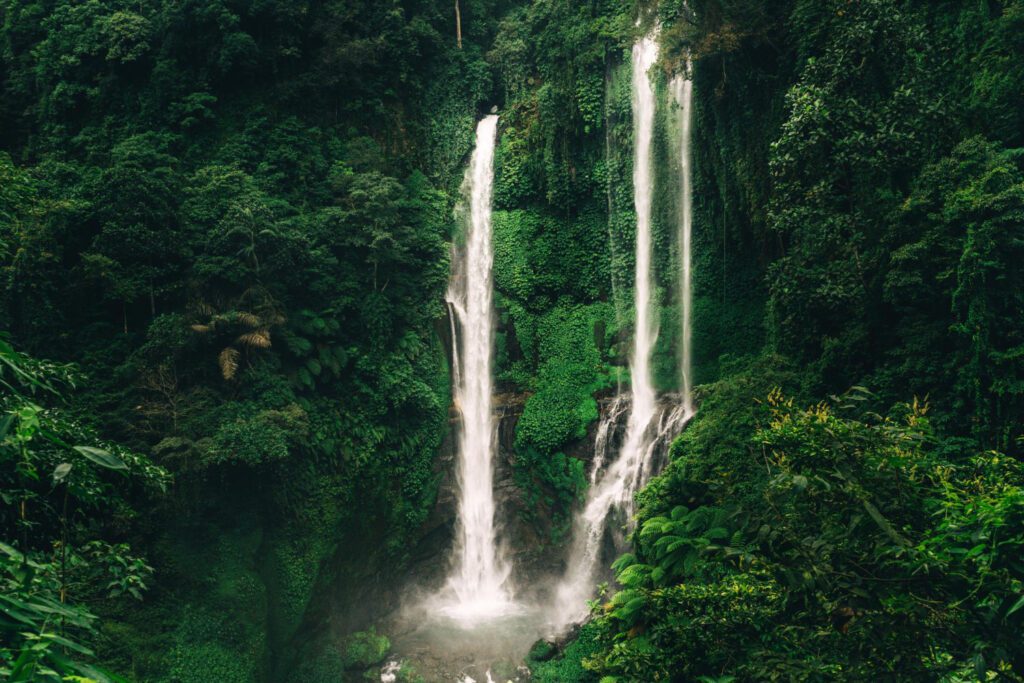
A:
568	666
363	649
872	532
264	438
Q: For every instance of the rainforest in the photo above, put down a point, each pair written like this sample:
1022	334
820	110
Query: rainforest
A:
490	341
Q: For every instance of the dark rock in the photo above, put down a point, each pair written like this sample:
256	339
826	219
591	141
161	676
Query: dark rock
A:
542	651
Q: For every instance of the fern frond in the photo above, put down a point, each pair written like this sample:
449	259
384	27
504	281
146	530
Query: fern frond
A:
623	561
228	360
260	339
248	319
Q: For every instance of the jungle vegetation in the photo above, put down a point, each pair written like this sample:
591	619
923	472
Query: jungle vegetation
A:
224	244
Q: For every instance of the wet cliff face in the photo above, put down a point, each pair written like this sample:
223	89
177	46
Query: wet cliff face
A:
525	528
431	556
525	519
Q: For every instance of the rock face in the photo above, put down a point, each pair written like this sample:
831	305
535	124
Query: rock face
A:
525	531
431	555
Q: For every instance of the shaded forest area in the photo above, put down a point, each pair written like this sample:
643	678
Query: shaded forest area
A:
225	225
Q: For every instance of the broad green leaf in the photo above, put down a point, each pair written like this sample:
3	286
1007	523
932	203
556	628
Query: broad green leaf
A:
69	644
5	424
61	472
102	458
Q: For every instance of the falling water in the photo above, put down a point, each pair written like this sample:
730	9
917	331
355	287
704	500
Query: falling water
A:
645	52
614	488
477	587
682	91
603	439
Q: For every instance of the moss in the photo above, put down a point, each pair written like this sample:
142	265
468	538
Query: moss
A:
294	566
327	666
570	370
204	662
542	651
540	257
210	645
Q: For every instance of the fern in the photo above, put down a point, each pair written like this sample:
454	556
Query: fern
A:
228	360
260	339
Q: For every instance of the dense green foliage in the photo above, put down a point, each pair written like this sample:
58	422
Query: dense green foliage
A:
861	155
552	266
63	490
234	218
229	222
852	546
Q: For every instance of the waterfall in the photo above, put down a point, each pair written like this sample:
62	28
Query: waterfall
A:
603	438
681	87
477	587
645	52
613	488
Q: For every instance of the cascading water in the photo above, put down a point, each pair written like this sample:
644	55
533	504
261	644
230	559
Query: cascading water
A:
474	620
614	488
477	587
462	631
681	87
603	439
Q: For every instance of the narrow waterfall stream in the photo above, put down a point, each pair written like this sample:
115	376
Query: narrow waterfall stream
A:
477	587
681	88
614	488
652	424
473	627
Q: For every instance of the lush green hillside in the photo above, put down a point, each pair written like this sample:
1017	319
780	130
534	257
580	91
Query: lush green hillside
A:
861	194
234	218
226	225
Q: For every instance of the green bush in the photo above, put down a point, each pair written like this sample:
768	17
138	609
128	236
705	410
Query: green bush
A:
833	553
568	666
570	370
363	649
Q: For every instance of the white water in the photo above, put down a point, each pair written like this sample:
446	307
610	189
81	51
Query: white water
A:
389	674
613	489
602	441
645	52
681	87
469	679
477	587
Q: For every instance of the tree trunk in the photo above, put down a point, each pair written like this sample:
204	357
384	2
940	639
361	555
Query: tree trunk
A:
458	25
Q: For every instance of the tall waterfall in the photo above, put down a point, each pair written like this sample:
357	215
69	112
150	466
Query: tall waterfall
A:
645	52
477	586
681	87
614	488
